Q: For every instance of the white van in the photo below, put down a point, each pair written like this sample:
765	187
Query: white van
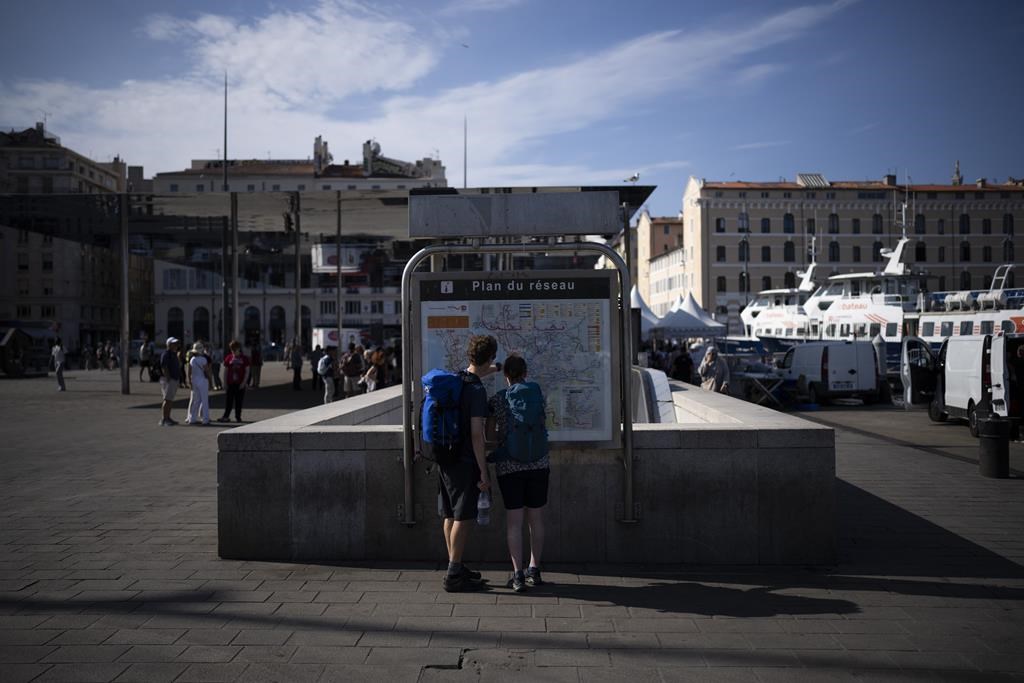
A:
968	378
822	370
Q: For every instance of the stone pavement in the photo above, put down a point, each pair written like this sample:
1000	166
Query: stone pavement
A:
109	571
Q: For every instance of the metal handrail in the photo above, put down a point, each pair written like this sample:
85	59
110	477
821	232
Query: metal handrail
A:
625	349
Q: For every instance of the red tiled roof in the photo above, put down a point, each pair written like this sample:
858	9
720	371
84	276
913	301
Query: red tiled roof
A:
874	185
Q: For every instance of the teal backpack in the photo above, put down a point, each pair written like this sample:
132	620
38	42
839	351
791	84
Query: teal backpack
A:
526	436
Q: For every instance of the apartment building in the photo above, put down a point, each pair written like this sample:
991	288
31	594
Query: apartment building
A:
63	287
741	237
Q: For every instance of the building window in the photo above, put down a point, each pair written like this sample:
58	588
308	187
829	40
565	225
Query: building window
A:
986	226
788	252
275	188
200	188
353	308
1008	251
250	188
22	261
764	195
856	254
742	195
47	287
23	237
766	282
47	312
787	195
986	254
301	187
720	253
833	251
876	224
326	187
940	226
743	222
743	252
174	187
1008	224
810	226
855	226
833	224
789	280
965	251
766	225
718	194
665	229
719	225
941	258
965	280
965	224
876	252
376	307
766	254
720	284
47	263
920	252
919	224
810	195
22	288
788	224
174	278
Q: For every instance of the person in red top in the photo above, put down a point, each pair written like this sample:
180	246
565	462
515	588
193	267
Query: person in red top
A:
236	374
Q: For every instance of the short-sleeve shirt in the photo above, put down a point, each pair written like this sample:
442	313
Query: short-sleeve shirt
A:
198	363
170	365
498	408
472	403
235	367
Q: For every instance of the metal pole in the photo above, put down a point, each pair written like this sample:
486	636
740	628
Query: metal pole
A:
224	337
337	301
298	267
625	367
235	326
125	323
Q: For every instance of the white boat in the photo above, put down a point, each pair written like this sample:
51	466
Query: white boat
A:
973	312
776	317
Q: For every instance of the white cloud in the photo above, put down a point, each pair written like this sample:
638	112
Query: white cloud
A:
757	73
463	6
291	72
762	145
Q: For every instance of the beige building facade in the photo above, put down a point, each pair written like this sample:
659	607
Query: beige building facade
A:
743	237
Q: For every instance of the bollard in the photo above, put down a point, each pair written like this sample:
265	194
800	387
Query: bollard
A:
994	456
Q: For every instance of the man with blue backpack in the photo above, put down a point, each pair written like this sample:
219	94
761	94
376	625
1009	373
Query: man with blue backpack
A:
452	425
518	424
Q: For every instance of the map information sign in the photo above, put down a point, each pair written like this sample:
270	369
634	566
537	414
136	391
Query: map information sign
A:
563	324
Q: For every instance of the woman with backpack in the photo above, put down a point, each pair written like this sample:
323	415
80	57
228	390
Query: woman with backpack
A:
517	425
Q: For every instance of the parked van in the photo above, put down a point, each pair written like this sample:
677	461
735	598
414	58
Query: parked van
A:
823	370
970	377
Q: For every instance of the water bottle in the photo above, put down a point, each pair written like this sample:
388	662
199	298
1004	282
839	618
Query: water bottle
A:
483	508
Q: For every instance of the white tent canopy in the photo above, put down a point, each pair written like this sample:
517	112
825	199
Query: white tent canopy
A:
679	323
647	317
690	306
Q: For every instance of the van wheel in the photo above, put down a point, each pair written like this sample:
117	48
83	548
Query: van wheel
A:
935	414
812	395
972	418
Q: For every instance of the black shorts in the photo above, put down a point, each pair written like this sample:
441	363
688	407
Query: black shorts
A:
524	488
457	490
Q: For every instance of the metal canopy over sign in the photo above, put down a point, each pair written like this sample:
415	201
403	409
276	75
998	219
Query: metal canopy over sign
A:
438	214
563	323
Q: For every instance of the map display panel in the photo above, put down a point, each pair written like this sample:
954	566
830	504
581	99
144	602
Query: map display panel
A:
562	326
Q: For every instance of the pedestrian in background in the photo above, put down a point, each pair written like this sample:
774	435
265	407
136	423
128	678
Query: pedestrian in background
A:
714	372
236	375
352	370
296	363
145	358
256	363
170	377
57	352
327	370
314	362
199	379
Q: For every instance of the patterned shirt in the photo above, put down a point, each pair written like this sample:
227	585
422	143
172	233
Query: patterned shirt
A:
498	408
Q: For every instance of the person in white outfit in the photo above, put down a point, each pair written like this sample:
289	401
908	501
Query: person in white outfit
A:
199	373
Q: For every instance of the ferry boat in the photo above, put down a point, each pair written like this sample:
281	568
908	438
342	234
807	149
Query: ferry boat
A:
973	312
776	317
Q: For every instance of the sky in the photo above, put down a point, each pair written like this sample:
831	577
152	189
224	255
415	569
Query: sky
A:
555	93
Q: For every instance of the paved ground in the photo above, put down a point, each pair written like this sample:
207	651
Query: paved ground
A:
108	571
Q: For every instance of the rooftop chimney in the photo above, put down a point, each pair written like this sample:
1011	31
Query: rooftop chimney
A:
981	182
889	179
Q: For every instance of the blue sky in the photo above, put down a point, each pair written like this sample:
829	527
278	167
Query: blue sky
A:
555	92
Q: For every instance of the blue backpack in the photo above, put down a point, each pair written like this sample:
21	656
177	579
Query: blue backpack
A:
439	415
526	436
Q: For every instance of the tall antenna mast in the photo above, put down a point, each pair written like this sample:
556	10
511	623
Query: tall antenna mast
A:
225	131
465	150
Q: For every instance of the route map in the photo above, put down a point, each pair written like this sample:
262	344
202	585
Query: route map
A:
566	344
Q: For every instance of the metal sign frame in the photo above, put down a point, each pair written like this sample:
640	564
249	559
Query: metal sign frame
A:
613	323
625	353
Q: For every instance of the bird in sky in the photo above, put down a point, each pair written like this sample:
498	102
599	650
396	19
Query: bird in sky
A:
633	178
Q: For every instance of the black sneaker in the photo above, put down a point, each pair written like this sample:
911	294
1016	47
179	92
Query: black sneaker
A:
533	577
517	582
474	576
460	583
